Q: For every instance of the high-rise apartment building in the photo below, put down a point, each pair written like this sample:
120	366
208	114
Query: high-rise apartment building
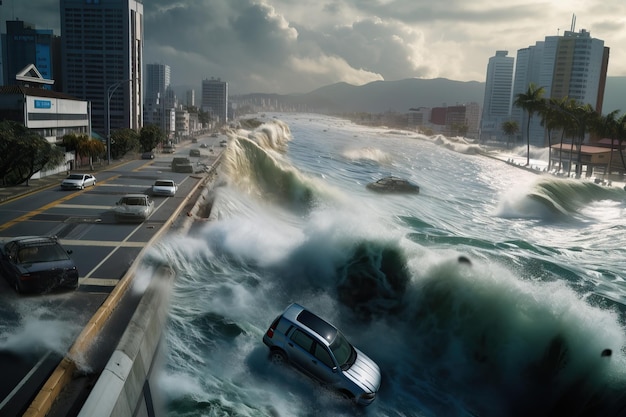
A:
497	101
215	99
190	100
157	80
23	45
102	55
573	65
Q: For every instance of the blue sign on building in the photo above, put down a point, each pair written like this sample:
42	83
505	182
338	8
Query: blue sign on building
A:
43	104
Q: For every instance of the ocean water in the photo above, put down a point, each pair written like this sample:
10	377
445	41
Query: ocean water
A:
533	325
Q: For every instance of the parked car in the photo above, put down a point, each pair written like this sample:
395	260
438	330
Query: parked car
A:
37	264
78	181
182	165
169	149
133	208
164	187
194	152
147	155
316	348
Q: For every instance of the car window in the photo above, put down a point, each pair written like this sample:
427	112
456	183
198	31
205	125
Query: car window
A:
134	201
75	177
302	339
323	356
164	184
45	253
342	349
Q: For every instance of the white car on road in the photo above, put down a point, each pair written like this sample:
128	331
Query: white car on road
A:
78	181
164	187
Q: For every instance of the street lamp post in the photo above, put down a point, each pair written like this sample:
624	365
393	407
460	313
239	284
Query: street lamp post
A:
110	92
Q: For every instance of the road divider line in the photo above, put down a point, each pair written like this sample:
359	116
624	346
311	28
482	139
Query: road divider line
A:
48	206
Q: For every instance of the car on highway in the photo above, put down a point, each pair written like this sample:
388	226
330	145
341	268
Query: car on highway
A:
133	208
194	152
319	350
204	145
223	143
37	264
166	188
181	164
78	181
147	155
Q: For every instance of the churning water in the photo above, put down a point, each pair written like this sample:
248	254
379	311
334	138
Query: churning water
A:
519	330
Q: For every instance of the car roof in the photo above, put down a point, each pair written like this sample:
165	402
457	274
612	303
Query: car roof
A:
33	240
312	322
134	195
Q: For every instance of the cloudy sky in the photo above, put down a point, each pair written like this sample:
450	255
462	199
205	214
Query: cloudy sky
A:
294	46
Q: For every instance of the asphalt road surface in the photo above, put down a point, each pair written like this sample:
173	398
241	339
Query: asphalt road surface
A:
36	331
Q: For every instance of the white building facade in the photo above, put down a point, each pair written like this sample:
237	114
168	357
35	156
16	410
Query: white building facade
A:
497	100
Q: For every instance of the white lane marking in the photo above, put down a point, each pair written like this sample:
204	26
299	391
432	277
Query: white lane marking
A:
100	282
23	381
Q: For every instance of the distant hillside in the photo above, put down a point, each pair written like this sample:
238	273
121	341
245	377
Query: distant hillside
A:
400	96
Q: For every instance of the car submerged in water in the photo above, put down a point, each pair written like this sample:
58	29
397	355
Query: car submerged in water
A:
320	351
393	185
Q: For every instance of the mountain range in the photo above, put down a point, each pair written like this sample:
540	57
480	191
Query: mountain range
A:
399	96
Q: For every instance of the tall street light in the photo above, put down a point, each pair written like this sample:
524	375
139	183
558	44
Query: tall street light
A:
110	92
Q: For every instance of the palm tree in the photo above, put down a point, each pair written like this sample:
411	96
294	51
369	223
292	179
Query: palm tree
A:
531	101
607	127
585	117
510	128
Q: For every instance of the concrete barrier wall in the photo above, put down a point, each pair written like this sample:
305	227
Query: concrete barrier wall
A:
121	389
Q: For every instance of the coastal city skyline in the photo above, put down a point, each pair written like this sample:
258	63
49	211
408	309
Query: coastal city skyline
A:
277	47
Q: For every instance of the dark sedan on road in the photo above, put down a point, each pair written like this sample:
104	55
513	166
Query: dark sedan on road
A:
37	264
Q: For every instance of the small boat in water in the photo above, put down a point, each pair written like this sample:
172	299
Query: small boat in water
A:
393	185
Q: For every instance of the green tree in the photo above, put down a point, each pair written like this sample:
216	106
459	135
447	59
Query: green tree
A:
531	102
510	129
91	148
83	146
150	136
23	153
124	141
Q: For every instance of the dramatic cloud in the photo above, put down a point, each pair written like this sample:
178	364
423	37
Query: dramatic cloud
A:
287	46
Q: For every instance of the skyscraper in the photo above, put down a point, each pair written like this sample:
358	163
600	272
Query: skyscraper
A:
573	65
215	99
497	101
23	45
157	83
103	59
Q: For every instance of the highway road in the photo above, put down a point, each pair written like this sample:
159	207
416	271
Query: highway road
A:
36	331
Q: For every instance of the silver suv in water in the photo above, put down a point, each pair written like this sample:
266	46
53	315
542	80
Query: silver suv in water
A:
322	352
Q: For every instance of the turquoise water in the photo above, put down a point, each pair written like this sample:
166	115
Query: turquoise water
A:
517	331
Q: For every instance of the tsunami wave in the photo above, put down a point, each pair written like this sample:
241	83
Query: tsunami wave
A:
453	332
553	197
